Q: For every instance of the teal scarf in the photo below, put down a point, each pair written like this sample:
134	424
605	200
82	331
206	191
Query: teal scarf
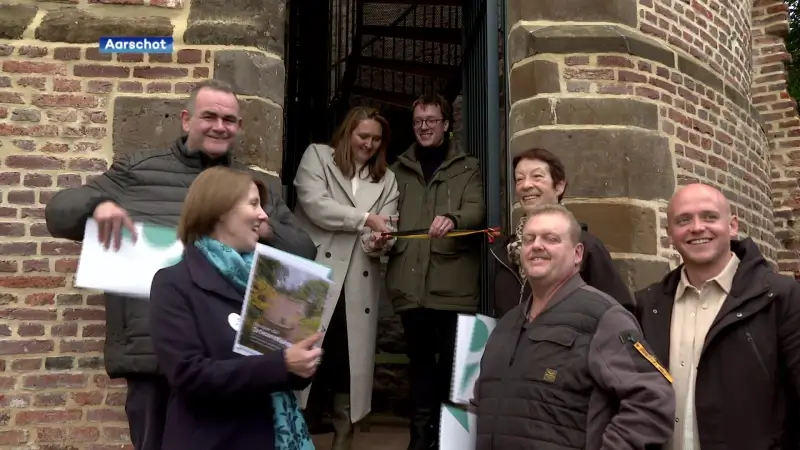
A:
291	432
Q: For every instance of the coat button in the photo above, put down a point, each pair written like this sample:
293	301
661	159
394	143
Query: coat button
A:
366	274
739	315
655	311
327	254
366	310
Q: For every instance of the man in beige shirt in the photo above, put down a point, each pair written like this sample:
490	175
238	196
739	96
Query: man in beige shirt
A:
728	328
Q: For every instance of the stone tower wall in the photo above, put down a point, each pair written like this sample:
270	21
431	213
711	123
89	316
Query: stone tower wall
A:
639	98
65	110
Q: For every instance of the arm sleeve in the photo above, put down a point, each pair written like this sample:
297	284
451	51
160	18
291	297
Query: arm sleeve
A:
66	213
313	196
472	214
789	344
181	355
287	235
389	201
646	399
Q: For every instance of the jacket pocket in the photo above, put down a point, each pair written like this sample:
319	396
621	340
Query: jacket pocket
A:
550	353
756	352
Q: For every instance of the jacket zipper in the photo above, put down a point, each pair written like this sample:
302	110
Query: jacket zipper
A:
519	280
752	342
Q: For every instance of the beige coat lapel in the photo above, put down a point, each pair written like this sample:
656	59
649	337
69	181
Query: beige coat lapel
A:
335	174
368	192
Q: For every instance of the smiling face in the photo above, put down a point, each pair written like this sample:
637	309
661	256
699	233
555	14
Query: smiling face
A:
365	140
549	253
213	122
429	125
534	184
701	226
239	227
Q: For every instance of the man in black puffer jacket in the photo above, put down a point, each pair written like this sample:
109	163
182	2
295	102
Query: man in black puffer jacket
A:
150	187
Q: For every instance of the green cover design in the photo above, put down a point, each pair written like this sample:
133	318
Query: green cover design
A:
461	416
480	335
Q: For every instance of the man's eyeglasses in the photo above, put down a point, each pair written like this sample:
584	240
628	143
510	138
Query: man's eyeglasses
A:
429	122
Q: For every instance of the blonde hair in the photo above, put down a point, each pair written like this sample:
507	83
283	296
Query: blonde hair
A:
212	194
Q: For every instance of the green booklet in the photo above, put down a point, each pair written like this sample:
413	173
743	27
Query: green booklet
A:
457	429
472	334
284	303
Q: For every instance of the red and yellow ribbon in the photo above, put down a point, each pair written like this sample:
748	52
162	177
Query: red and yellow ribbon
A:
491	234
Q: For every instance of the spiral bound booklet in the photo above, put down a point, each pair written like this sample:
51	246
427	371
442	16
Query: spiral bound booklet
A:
471	337
285	301
457	429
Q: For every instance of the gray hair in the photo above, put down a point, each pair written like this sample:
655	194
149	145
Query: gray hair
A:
212	84
574	225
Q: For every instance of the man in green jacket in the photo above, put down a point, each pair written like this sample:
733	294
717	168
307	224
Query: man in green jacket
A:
431	280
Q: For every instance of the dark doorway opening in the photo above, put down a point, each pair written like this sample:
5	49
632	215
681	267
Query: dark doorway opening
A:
386	53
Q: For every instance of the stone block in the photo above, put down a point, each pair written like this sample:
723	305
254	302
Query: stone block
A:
532	78
608	162
154	123
78	27
244	23
14	19
641	273
606	111
612	11
623	227
565	39
530	114
251	73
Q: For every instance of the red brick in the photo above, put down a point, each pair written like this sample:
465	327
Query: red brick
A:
35	67
151	72
66	85
18	248
39	83
12	229
67	53
32	51
92	398
32	281
159	58
40	299
31	162
200	72
65	100
30	330
54	147
21	197
96	330
167	3
99	71
8	266
12	437
66	265
93	53
11	97
82	346
33	417
25	347
50	434
99	86
60	248
38	180
159	87
64	330
189	56
184	88
10	178
26	364
130	87
55	381
6	49
84	434
130	57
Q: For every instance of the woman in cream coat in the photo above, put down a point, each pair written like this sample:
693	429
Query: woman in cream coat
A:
346	195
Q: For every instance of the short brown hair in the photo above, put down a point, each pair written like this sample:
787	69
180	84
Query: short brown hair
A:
557	171
343	154
212	194
434	99
575	229
212	84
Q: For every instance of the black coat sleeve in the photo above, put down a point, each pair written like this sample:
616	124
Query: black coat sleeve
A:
180	350
66	213
598	271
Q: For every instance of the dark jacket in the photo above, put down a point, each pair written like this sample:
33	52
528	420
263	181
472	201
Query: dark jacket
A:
571	379
437	273
749	368
218	399
151	187
597	269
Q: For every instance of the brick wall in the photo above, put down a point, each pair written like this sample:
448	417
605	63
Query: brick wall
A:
65	109
779	112
642	97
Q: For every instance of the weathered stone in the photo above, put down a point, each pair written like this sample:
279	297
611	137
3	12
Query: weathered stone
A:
612	162
154	123
532	78
607	111
532	113
75	26
251	73
641	273
244	23
622	227
526	40
699	73
613	11
14	20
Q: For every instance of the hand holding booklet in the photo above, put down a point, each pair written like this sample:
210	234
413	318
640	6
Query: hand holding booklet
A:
284	303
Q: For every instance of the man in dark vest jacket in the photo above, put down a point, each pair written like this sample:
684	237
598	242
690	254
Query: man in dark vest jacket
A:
568	368
150	187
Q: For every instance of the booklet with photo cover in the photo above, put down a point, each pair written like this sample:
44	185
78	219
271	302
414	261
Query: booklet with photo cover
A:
284	303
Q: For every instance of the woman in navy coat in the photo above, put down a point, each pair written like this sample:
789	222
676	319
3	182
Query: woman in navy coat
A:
220	399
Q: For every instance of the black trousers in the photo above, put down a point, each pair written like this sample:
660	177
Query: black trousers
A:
146	408
428	333
334	371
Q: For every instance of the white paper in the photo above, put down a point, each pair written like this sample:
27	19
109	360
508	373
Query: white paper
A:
129	270
457	429
471	337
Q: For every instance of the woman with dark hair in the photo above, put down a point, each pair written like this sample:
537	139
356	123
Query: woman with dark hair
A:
346	196
220	399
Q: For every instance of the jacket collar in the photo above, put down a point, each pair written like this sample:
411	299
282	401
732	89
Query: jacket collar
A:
454	153
197	159
572	284
205	276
